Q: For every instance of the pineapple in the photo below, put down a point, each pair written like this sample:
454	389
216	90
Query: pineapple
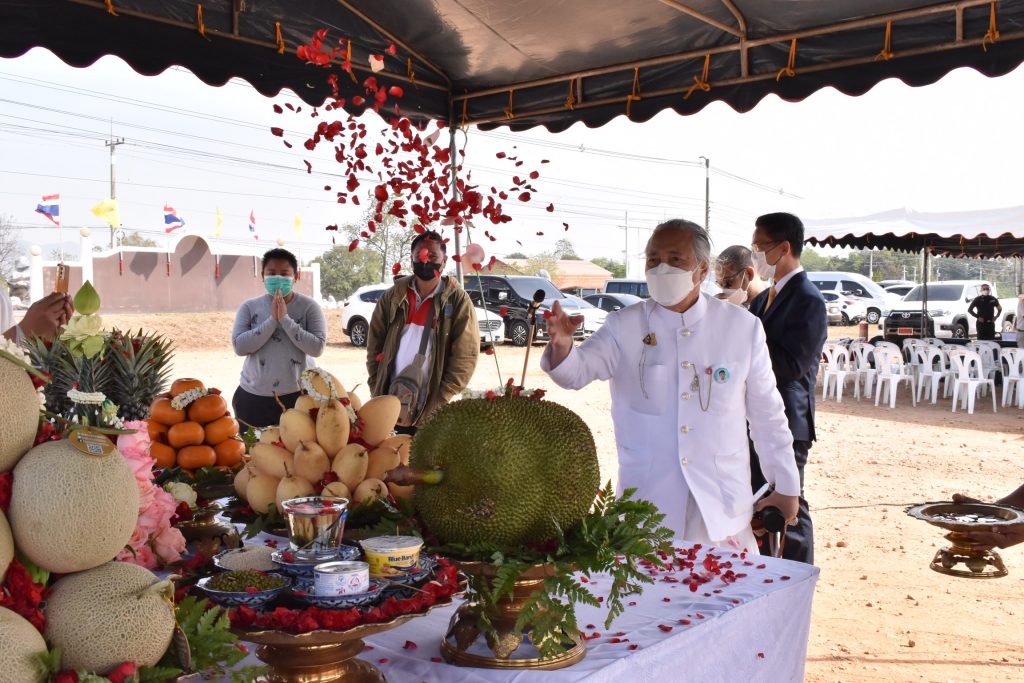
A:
139	371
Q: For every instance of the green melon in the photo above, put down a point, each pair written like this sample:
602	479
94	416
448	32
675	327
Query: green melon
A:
6	546
20	642
19	404
71	511
117	612
515	471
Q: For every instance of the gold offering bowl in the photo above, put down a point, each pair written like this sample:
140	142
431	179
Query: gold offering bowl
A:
464	643
208	535
966	558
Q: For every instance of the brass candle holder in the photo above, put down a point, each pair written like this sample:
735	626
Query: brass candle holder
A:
208	535
465	644
966	558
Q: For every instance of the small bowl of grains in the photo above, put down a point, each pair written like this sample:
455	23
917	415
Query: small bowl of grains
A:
245	587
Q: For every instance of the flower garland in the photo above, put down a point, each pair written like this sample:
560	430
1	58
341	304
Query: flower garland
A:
186	398
508	390
154	541
445	585
307	384
87	398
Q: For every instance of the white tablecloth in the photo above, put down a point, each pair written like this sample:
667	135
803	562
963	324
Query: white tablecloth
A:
755	629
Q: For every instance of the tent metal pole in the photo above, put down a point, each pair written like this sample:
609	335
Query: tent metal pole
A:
924	292
455	195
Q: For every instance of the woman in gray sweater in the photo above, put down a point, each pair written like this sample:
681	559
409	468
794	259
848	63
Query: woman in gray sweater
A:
277	332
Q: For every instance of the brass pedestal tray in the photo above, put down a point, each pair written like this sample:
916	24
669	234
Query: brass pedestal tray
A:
206	534
465	644
964	557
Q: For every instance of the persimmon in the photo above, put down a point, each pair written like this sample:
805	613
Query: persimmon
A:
182	385
163	412
157	431
220	430
185	434
194	457
207	409
229	452
163	454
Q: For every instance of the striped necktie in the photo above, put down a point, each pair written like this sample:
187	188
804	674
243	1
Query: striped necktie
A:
771	298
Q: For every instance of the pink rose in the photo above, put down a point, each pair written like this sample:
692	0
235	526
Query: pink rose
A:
169	545
147	494
142	556
139	440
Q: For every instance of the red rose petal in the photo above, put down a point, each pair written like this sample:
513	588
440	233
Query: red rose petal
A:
353	245
409	645
277	131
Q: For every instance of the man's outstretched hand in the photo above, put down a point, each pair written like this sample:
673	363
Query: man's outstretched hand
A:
561	328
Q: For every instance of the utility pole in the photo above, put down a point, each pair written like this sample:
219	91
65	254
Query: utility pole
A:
707	193
625	252
112	143
871	265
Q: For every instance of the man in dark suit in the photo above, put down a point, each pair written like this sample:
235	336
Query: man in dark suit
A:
792	311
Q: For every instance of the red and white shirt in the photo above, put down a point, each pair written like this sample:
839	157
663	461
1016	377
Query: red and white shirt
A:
409	345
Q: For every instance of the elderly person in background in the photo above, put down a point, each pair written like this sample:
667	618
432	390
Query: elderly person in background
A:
688	372
735	274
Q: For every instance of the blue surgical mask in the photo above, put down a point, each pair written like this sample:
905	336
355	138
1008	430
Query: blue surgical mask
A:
276	283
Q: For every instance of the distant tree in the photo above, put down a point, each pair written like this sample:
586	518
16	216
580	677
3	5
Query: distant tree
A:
134	239
390	240
614	267
517	254
8	244
545	261
343	272
565	251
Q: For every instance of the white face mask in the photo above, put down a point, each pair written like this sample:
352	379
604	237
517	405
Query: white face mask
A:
734	296
761	265
669	285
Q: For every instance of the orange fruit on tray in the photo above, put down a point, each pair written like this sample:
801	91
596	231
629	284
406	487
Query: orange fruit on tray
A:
185	434
221	430
182	385
194	457
163	454
157	431
162	411
207	409
229	452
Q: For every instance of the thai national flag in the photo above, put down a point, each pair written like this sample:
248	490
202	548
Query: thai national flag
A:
50	207
252	224
171	220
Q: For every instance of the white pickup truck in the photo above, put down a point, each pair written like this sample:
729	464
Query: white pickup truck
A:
948	302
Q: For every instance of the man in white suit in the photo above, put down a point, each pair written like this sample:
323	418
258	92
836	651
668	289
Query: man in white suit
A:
688	373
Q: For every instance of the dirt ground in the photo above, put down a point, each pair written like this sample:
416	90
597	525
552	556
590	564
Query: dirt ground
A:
880	614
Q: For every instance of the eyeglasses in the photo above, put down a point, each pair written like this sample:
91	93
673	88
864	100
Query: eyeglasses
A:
764	247
726	281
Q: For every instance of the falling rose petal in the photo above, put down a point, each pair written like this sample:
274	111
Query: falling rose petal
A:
278	109
760	655
392	50
424	254
376	63
353	245
540	233
500	155
409	645
358	100
287	144
550	208
566	226
503	311
534	175
634	647
395	91
477	266
331	227
309	166
490	264
396	269
279	132
327	188
380	193
457	258
544	161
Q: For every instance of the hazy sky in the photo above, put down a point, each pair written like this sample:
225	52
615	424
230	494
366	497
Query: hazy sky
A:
950	146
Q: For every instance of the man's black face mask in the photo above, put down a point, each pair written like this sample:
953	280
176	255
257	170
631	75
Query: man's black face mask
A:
426	271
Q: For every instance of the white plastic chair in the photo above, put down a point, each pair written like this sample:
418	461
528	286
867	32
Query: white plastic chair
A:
1012	363
970	376
892	371
933	367
933	341
988	351
837	367
861	364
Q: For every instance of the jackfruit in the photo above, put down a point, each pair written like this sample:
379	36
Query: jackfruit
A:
513	471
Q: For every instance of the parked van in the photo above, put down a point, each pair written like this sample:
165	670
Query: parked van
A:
855	285
948	302
622	285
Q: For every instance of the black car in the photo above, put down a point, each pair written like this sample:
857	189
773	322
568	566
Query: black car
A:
612	302
510	296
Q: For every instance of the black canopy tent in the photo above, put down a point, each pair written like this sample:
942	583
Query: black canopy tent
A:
989	233
551	63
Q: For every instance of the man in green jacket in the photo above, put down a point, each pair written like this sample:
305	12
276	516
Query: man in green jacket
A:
430	304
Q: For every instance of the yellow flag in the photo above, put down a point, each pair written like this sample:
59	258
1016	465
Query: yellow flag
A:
218	223
298	225
106	211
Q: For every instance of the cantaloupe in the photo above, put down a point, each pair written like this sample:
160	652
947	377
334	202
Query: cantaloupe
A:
19	404
6	546
20	642
117	612
71	511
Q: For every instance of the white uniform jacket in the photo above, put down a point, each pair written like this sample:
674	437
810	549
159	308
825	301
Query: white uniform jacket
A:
675	434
